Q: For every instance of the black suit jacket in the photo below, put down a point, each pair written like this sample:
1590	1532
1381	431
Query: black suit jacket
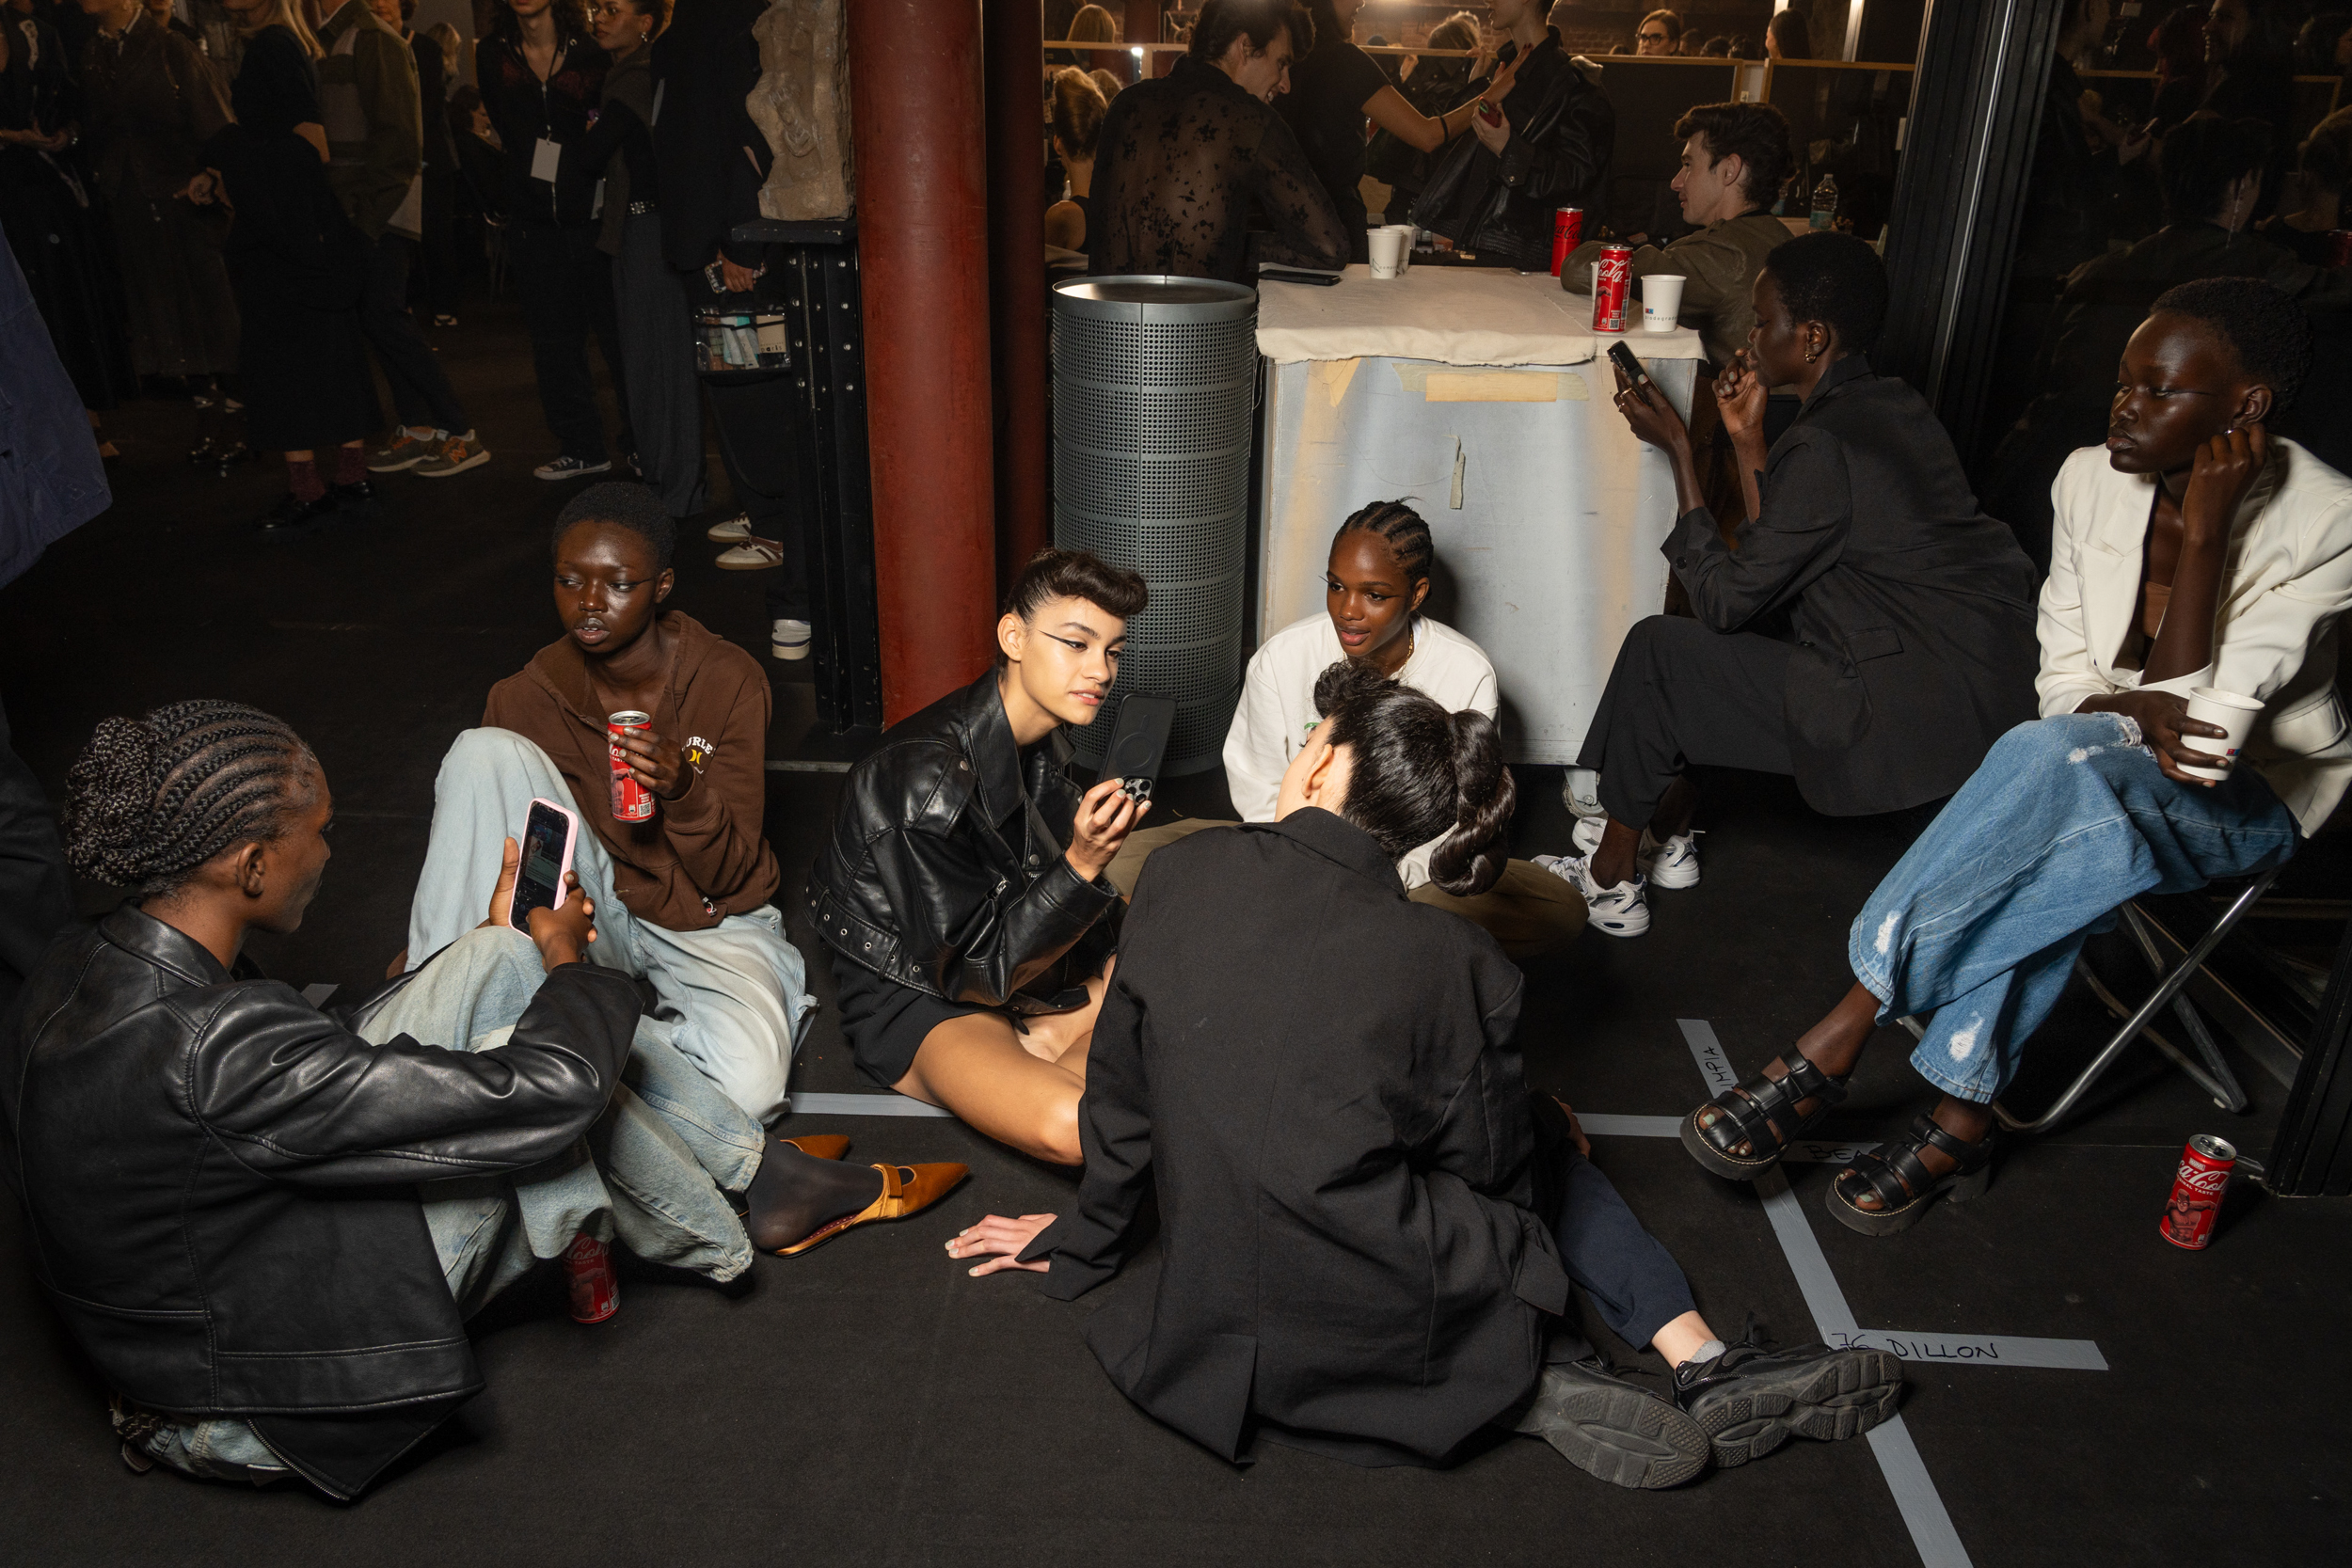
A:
710	157
221	1182
1342	1147
1911	610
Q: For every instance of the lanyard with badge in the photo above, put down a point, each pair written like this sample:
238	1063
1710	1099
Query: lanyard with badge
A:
547	153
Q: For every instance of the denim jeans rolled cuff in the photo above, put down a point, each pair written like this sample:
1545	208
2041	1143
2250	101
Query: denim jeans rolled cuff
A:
1977	926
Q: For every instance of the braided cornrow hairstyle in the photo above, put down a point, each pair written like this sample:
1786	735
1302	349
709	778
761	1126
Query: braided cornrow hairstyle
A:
1405	531
152	799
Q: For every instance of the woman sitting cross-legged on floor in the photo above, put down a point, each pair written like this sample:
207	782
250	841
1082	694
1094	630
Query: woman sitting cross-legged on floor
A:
1367	1228
962	891
2194	551
1374	585
263	1223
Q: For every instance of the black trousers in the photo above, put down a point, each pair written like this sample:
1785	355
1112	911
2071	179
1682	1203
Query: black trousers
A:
1625	1271
768	451
566	287
1680	693
421	395
36	898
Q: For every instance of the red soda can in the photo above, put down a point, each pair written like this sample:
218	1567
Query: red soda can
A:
1612	288
2196	1189
588	1270
2338	248
631	800
1567	230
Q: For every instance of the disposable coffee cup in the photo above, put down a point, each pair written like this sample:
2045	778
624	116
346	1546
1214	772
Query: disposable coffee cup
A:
1386	243
1405	252
2234	713
1661	301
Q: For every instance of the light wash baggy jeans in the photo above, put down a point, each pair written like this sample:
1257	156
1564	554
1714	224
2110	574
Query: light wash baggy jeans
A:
736	992
647	1175
2067	820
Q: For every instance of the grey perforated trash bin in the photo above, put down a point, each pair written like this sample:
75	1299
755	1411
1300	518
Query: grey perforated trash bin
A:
1155	400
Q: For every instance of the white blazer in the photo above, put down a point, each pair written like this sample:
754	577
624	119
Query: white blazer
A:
2288	578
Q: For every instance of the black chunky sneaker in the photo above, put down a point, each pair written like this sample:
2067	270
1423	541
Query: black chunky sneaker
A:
1749	1401
1609	1428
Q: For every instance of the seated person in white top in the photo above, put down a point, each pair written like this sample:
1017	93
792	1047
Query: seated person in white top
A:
2194	551
1375	582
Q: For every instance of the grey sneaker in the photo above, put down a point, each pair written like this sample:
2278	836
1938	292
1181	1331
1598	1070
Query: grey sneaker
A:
407	447
571	467
1606	1427
454	456
1750	1401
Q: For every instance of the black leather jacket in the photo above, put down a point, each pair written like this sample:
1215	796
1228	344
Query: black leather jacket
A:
945	874
221	1183
1563	131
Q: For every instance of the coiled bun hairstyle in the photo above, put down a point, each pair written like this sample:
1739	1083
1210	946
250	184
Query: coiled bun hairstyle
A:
1416	771
152	799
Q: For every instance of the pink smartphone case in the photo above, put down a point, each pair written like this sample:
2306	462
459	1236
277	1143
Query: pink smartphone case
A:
571	837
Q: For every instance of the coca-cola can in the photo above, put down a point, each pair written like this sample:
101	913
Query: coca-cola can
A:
2339	249
588	1270
1567	231
631	800
2196	1189
1612	286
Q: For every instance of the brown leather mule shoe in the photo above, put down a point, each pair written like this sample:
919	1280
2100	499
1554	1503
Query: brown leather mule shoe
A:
906	1190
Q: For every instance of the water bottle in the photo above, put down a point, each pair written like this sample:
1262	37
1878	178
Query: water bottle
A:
1825	202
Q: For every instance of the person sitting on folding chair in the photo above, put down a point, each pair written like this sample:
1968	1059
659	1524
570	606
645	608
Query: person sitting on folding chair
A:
2194	551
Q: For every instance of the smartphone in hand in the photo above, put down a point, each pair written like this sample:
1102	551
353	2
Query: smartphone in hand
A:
549	838
1623	358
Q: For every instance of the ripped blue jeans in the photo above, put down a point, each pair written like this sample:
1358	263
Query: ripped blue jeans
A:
2066	820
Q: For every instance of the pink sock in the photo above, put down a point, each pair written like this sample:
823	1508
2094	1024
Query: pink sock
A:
303	478
350	465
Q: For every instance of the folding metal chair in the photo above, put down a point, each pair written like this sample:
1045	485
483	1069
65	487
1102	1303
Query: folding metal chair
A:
2208	1070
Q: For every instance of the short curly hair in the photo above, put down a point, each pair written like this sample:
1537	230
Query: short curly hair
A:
634	507
1757	132
2266	328
152	799
1833	277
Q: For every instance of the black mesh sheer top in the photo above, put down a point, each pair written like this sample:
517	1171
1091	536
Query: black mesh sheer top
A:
1185	159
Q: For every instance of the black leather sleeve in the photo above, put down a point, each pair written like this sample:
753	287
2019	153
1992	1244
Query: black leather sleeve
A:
986	955
1570	157
295	1097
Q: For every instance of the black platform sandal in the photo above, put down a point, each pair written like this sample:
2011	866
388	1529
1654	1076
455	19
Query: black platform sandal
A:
1762	1114
1902	1182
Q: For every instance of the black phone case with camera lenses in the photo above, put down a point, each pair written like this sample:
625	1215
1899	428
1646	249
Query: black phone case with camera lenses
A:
1139	741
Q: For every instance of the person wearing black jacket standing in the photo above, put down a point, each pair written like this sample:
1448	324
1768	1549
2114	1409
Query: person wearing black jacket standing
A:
1493	196
710	160
235	1198
541	77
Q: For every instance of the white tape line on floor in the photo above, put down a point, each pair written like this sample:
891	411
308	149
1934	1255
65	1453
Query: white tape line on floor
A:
862	1105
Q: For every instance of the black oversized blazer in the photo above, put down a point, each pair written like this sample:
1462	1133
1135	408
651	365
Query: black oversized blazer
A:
1913	611
1342	1147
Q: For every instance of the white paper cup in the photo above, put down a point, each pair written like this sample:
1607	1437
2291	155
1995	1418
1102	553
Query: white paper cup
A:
1661	301
2212	705
1405	253
1384	244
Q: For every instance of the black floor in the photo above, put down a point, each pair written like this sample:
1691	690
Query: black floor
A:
872	1405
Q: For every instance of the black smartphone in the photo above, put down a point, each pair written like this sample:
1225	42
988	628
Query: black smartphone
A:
1140	742
1623	358
548	836
1287	275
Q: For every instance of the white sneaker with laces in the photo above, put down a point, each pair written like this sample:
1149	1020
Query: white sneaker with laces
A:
1581	793
1622	911
788	639
1672	864
570	467
730	530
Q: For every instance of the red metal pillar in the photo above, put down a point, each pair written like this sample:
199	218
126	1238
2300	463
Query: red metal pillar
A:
1016	247
922	217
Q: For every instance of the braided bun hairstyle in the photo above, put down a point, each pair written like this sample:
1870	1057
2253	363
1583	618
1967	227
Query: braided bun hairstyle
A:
1416	771
152	799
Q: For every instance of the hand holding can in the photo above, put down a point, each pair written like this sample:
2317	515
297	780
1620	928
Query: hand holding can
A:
631	800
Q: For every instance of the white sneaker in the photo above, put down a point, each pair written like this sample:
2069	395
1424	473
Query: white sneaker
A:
570	467
731	531
1672	864
1581	792
788	639
1622	911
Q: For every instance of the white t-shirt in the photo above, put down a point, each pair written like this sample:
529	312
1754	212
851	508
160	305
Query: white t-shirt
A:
1277	706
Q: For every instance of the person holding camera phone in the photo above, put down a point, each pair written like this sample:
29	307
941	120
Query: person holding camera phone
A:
1375	582
962	890
265	1223
1873	633
2194	549
689	893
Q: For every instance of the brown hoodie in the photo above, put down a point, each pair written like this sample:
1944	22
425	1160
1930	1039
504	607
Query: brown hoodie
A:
704	855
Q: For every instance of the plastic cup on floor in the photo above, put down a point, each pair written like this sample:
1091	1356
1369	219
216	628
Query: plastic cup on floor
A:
2234	713
1386	243
1661	301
